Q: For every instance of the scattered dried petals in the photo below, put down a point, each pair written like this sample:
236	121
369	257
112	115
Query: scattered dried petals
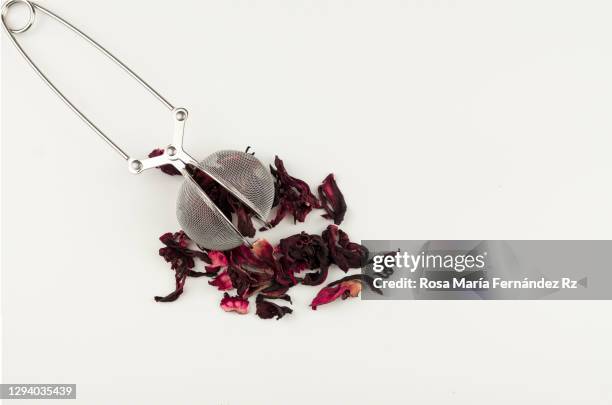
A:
263	270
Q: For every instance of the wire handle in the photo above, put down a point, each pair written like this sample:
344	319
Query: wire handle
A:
32	9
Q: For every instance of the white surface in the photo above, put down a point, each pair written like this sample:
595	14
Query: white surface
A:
441	119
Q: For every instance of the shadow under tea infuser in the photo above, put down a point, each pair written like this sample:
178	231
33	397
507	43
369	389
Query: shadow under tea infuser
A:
240	173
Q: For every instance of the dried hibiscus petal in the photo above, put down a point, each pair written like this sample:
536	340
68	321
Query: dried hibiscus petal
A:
222	281
218	261
180	276
332	200
276	290
293	196
268	310
347	287
248	272
344	253
244	217
234	304
177	251
168	169
301	252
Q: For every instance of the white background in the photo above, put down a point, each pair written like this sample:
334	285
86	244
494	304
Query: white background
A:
441	119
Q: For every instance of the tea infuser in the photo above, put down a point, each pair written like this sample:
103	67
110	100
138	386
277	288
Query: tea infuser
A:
240	173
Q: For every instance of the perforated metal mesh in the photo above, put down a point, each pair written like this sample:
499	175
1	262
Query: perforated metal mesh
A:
245	175
197	215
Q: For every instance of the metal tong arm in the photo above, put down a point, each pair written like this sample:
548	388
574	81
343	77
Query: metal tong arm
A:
33	8
175	155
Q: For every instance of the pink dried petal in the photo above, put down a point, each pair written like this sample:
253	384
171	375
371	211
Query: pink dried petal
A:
349	286
234	304
332	200
222	281
345	289
218	261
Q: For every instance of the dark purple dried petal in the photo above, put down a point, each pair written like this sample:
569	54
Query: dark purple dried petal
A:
179	277
268	310
276	290
301	252
177	253
344	253
315	278
332	200
196	274
244	217
292	195
241	280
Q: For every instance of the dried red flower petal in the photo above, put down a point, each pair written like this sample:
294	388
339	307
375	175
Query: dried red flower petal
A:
234	304
344	253
218	261
301	252
349	286
292	195
180	276
244	217
249	272
168	169
268	310
264	251
276	290
342	290
332	200
222	281
177	251
181	258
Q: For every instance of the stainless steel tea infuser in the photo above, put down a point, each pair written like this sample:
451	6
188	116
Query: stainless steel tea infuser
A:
240	173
